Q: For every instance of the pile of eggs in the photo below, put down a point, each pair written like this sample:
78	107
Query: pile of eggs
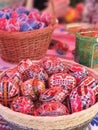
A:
20	20
49	87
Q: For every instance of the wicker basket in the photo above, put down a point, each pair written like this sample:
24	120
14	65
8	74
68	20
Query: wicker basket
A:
75	121
15	46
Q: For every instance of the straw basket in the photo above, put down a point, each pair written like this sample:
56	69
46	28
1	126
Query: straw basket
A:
75	121
15	46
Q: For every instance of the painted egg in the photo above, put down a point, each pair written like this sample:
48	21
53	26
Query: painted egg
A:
51	109
66	81
53	94
33	88
12	74
23	104
24	65
81	98
9	90
78	72
35	71
53	65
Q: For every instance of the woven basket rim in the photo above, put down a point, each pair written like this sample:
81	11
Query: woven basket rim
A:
71	121
67	122
27	34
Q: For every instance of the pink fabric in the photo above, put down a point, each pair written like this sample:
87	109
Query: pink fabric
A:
63	36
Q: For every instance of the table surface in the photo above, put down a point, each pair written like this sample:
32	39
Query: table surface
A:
61	35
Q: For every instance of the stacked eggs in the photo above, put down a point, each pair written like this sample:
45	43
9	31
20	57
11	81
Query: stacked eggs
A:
20	20
50	87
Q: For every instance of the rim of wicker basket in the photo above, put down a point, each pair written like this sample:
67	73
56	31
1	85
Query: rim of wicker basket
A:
72	121
27	34
65	122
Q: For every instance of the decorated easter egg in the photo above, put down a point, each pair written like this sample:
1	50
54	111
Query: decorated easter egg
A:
24	65
5	14
46	18
53	94
3	23
53	65
14	14
64	80
21	10
34	15
25	27
30	25
33	23
23	104
79	72
51	109
2	14
41	25
92	83
9	90
22	19
13	74
35	71
33	88
81	98
13	25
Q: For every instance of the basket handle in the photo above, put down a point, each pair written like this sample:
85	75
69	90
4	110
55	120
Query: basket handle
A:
53	12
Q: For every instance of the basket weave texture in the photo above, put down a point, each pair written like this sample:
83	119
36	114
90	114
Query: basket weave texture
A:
75	121
15	46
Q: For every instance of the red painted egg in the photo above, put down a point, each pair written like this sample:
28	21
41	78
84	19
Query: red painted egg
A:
23	104
78	72
66	81
24	65
53	65
33	88
9	90
53	94
35	71
51	109
81	98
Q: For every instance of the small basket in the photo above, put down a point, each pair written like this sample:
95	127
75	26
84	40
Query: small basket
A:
75	121
15	46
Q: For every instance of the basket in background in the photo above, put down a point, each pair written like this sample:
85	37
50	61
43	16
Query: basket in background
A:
15	46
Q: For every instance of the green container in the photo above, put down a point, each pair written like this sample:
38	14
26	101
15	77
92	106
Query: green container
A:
86	52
